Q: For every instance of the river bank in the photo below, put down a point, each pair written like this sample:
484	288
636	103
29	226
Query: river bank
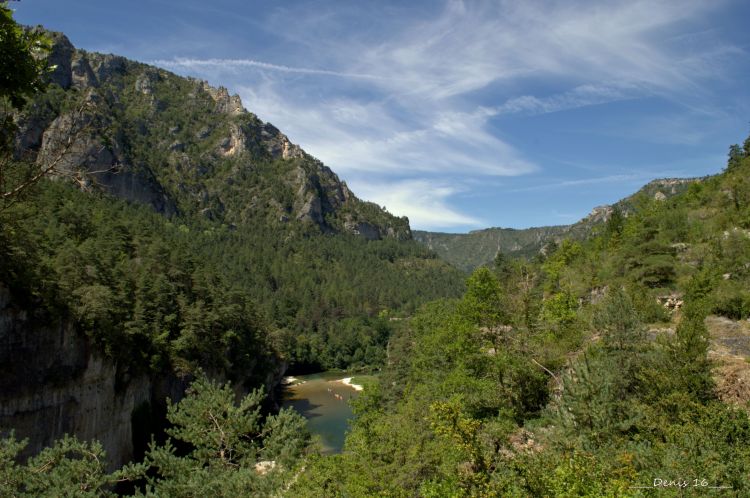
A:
323	399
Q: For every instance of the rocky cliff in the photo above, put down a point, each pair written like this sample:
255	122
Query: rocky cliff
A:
182	146
53	382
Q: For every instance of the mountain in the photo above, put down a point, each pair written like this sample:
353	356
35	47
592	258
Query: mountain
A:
184	147
586	371
178	234
479	247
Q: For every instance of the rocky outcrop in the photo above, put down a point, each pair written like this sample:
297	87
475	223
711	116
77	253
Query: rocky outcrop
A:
278	145
599	214
81	74
235	143
54	382
146	135
60	57
72	143
366	230
225	104
729	349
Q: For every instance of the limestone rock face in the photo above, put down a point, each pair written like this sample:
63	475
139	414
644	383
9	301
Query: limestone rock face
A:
149	136
366	230
77	68
600	214
225	104
235	143
90	160
104	66
52	382
145	82
81	74
278	144
60	57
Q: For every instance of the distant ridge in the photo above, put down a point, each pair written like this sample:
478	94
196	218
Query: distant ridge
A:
479	247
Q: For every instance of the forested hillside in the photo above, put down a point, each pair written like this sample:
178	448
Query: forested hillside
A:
152	231
468	251
594	372
163	248
243	208
183	147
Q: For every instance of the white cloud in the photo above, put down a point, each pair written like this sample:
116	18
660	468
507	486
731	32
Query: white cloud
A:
580	96
352	137
415	98
636	179
471	45
235	64
425	202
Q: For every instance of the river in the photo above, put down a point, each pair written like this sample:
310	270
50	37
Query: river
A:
323	400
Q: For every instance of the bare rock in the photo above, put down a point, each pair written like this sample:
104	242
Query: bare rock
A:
105	66
81	73
599	214
363	229
145	82
235	143
278	145
225	104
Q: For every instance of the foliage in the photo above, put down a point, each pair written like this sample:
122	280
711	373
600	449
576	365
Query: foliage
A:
546	378
23	69
221	445
582	394
159	293
68	468
226	442
22	65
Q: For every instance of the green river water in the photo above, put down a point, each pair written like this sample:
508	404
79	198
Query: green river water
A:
315	398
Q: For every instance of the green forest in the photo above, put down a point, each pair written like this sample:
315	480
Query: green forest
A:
557	376
588	369
565	376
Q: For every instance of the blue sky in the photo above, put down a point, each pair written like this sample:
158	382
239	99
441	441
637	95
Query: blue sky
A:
458	114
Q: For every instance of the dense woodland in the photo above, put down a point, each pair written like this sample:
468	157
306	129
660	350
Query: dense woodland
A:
558	375
565	376
157	291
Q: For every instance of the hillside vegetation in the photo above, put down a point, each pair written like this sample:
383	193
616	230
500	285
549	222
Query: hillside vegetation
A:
584	371
468	251
250	226
584	374
177	238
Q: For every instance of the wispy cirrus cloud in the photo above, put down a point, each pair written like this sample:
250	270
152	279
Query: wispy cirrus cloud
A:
635	178
365	137
472	45
235	64
432	98
580	96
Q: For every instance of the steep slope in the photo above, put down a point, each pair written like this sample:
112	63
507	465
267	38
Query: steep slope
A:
479	247
182	146
180	233
282	226
610	356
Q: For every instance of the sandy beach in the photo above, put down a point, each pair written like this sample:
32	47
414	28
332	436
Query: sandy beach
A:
348	382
